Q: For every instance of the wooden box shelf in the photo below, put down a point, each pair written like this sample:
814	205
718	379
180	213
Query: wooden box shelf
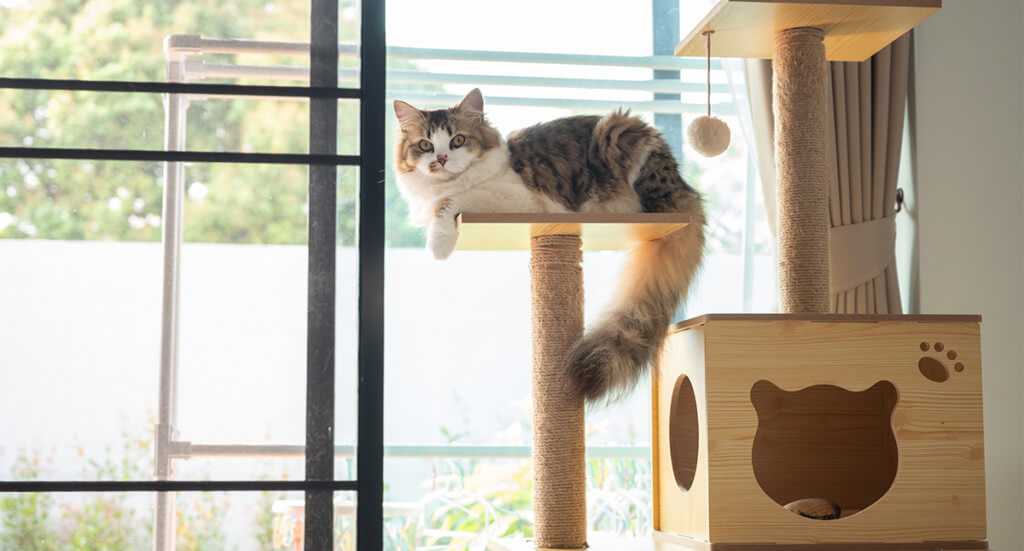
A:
599	231
879	414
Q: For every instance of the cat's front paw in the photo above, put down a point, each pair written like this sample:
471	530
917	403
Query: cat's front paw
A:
441	243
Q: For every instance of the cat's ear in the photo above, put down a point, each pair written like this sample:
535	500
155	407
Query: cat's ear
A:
407	114
472	104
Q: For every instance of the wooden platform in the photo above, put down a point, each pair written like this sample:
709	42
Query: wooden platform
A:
599	231
854	29
826	318
601	542
660	541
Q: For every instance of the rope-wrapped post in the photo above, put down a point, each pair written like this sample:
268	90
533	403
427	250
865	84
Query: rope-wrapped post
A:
559	449
799	92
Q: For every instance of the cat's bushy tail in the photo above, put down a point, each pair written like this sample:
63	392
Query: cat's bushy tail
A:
608	361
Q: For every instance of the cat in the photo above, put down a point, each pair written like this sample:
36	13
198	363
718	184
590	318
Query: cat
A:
452	160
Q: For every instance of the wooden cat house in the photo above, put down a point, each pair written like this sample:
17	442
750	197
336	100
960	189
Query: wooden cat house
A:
879	415
809	430
802	430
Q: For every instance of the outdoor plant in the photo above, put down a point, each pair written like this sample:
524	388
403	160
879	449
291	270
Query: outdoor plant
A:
26	519
105	521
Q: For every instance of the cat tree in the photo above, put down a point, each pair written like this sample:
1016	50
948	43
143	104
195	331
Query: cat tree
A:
556	242
879	385
878	417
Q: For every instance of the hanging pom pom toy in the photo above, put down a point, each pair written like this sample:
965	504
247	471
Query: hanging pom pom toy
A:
708	135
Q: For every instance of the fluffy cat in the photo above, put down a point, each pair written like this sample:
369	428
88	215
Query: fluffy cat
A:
452	160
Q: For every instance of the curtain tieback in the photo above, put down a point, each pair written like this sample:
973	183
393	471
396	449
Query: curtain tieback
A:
859	252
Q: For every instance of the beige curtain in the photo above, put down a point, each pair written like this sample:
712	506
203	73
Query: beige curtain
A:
866	116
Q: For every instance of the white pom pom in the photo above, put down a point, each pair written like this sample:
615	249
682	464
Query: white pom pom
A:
709	136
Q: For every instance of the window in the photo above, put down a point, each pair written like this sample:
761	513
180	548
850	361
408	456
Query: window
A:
457	425
181	392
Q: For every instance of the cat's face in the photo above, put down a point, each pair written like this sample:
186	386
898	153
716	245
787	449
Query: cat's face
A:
444	143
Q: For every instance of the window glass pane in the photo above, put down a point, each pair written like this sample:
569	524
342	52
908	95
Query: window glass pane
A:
51	39
81	289
114	120
289	522
346	334
458	331
81	334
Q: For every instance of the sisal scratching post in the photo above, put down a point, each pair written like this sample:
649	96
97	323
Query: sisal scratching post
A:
559	477
799	91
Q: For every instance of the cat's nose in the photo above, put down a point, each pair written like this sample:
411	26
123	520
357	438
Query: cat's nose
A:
442	159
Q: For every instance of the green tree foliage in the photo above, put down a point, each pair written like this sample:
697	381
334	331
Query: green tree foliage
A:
123	40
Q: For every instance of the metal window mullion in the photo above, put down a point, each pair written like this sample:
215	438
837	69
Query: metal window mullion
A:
749	236
173	156
323	139
175	107
370	444
163	487
665	36
179	87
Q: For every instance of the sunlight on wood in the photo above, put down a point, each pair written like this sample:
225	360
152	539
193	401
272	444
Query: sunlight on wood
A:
599	231
854	29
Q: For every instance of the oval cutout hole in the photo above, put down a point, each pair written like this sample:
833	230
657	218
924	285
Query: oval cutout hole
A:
683	433
932	369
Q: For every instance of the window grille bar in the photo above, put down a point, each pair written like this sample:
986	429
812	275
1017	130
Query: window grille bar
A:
323	201
434	99
175	156
424	99
195	44
22	486
179	87
665	36
665	62
370	457
172	235
201	69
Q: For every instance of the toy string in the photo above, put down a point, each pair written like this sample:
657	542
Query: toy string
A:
708	34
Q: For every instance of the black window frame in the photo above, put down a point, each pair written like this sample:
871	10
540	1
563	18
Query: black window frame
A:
319	483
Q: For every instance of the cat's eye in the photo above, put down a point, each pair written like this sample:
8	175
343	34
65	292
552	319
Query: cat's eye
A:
426	146
458	140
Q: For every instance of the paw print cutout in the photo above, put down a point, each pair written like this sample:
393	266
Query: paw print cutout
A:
932	368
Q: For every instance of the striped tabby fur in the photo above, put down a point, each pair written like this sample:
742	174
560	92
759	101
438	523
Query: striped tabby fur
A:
452	160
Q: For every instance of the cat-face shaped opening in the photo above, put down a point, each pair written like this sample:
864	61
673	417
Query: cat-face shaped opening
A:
683	433
825	444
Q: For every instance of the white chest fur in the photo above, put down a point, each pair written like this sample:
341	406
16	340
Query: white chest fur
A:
489	185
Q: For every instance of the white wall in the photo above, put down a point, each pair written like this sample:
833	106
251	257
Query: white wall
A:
968	150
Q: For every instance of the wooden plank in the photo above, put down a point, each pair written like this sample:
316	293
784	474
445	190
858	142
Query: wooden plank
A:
599	231
606	542
939	490
684	512
827	318
854	29
659	541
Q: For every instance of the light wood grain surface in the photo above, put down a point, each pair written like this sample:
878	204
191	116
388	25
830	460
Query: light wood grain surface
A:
662	541
866	318
603	542
599	231
938	493
854	29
